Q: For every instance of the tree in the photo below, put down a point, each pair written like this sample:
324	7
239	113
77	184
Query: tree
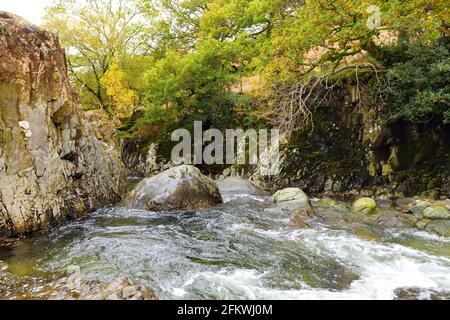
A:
122	98
95	33
419	87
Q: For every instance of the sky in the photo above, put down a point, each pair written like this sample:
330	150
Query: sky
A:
32	10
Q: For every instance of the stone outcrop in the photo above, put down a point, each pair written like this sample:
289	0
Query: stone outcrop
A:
353	149
181	187
52	167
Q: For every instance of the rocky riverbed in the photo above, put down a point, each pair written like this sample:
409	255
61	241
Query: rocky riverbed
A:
241	249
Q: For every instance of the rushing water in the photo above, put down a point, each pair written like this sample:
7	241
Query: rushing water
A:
234	251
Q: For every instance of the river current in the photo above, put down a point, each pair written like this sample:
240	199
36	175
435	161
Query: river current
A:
237	250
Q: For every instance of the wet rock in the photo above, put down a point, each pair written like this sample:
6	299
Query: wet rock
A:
421	224
52	167
392	219
436	212
364	205
439	227
7	242
181	187
384	203
366	233
422	204
290	194
296	203
415	293
236	185
326	202
368	226
118	289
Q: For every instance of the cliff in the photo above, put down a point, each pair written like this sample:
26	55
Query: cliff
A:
52	168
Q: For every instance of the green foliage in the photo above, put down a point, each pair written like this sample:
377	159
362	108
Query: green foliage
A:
196	84
182	60
96	34
419	83
157	116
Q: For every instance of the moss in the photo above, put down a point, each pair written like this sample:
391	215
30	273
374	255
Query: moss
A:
432	194
366	234
433	247
5	137
365	205
327	203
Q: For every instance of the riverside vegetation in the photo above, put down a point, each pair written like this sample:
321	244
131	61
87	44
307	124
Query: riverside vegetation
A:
359	209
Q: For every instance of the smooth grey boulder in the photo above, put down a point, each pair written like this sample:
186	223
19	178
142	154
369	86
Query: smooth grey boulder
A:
178	188
236	185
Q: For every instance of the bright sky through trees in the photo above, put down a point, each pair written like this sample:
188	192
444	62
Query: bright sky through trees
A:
31	10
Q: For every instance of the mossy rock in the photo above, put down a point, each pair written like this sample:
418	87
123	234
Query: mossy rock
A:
421	224
364	205
327	203
366	234
5	137
436	212
439	227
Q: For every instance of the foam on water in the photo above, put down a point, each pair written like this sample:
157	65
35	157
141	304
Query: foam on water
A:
382	268
235	251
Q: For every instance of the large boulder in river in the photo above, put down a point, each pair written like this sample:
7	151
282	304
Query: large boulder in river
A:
296	203
178	188
51	165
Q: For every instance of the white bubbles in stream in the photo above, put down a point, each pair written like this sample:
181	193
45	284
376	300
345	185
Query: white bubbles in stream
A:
237	251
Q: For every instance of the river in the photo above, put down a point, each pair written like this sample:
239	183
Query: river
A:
234	251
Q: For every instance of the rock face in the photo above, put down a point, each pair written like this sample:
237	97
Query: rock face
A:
51	165
352	149
181	187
